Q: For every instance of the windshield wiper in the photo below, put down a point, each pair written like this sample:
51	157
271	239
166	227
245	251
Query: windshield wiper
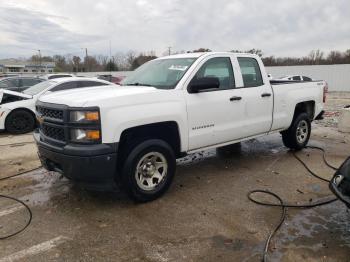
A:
138	84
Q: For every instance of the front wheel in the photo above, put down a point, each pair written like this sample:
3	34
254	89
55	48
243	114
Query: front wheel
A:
19	122
298	134
148	170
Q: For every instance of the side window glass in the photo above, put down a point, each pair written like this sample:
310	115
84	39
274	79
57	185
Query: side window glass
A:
250	72
219	67
296	78
58	76
90	83
308	79
65	86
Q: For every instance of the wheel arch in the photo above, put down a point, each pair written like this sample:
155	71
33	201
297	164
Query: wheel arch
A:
307	107
20	109
167	131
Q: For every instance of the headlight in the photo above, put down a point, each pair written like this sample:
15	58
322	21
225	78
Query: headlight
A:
85	135
84	116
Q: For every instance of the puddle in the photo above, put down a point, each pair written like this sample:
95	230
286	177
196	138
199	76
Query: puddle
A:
314	230
46	186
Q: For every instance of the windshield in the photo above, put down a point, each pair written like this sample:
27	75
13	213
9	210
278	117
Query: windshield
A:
162	73
36	89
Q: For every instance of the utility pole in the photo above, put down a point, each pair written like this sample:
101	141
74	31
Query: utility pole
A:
169	50
39	59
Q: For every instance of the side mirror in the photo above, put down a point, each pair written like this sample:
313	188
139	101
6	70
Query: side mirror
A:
340	183
203	83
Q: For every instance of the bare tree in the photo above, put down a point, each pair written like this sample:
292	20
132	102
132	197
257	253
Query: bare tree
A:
315	57
335	57
130	58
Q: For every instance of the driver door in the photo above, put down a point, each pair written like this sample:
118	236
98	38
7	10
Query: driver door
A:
214	114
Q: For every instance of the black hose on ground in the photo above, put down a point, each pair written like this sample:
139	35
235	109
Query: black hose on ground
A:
28	222
20	174
283	205
17	200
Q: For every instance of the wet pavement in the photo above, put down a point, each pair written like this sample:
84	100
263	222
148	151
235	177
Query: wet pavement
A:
205	215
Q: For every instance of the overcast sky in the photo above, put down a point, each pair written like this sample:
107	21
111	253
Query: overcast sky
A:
278	27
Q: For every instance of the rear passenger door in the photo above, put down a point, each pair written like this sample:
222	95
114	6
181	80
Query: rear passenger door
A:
257	97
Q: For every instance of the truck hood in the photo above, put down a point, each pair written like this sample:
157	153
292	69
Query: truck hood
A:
7	96
93	95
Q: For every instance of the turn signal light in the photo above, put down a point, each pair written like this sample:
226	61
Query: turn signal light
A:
93	134
92	116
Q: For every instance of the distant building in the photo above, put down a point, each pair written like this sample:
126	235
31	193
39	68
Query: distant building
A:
23	67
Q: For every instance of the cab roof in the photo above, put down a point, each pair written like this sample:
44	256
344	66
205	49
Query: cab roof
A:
199	54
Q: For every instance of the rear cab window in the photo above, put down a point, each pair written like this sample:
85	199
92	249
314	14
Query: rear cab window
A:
250	70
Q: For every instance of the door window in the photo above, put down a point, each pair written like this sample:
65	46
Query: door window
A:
250	72
296	78
221	68
308	79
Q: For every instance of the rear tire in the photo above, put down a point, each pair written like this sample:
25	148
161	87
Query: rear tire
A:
19	122
298	134
148	170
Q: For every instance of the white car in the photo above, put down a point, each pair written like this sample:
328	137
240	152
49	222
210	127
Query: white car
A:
296	78
17	110
167	108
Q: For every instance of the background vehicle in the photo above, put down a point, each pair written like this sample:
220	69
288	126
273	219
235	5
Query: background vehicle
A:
296	78
167	108
19	83
112	79
17	110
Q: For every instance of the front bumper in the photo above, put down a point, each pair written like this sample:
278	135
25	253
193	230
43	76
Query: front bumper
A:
93	166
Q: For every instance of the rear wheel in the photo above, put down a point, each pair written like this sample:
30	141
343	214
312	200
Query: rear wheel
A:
148	170
298	134
19	122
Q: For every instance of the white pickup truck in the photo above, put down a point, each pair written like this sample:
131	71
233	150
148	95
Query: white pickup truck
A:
169	107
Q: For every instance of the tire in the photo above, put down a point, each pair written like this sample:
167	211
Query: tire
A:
141	178
19	122
298	134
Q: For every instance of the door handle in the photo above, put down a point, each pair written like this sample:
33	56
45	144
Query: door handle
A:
265	95
235	98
